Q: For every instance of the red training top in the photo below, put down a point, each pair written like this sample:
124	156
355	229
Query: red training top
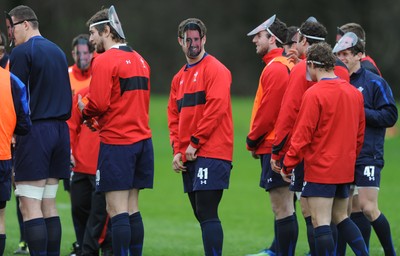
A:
200	111
119	96
85	143
328	132
291	102
267	103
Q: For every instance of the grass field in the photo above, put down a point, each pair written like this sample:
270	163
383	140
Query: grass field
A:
170	227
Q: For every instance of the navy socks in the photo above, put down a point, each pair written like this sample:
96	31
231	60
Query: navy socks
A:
137	234
213	237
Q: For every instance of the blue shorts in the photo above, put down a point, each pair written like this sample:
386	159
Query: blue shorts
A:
206	174
367	176
5	180
270	179
296	184
311	189
125	167
44	152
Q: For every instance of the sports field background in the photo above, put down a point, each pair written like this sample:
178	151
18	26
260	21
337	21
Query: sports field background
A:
245	212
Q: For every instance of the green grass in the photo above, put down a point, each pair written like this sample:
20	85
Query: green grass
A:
245	212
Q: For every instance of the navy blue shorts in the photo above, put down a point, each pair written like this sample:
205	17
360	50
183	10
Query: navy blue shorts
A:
206	174
311	189
5	179
44	152
125	167
296	184
368	176
270	179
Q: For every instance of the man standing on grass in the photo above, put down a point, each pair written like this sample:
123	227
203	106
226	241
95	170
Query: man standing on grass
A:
201	130
41	156
14	119
380	113
119	97
328	135
268	39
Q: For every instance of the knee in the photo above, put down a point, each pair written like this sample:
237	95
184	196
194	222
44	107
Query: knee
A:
370	211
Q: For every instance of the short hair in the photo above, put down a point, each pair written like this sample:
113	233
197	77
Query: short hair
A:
311	28
82	39
102	15
359	47
192	24
279	29
22	13
355	28
322	54
291	32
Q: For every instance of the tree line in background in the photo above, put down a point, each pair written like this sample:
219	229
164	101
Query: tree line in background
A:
150	27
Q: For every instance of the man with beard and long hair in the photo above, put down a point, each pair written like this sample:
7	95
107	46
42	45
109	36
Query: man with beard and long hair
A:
201	130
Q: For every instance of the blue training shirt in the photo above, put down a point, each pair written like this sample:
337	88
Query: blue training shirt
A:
42	66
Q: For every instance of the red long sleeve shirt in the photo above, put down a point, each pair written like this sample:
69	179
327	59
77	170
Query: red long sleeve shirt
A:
119	96
291	102
328	132
267	103
85	143
199	110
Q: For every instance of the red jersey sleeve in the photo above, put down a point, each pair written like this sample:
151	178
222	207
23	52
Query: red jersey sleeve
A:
302	132
173	116
291	102
273	83
99	89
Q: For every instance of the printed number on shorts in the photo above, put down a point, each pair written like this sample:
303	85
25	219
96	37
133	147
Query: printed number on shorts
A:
369	172
202	174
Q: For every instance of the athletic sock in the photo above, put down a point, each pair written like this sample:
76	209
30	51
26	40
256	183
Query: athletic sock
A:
363	225
213	237
382	230
35	232
2	243
137	234
324	244
272	247
310	235
287	233
121	234
352	235
53	226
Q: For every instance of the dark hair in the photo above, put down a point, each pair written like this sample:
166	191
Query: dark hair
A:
359	47
311	28
192	24
102	15
82	39
280	31
25	13
291	31
321	53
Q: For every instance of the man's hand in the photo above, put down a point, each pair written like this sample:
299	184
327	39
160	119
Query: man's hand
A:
275	165
254	155
191	153
293	55
177	164
286	175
